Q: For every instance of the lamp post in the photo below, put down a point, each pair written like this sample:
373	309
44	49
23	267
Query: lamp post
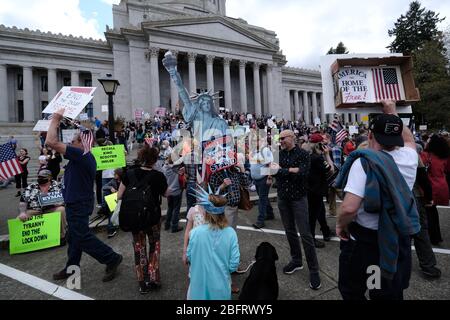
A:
110	86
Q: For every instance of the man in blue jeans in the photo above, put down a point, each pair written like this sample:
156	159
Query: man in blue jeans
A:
260	162
78	196
291	175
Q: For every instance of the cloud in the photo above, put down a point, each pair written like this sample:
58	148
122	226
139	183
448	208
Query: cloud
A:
49	15
111	2
308	29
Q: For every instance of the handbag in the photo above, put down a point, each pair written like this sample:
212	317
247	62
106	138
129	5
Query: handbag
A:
115	215
244	202
182	181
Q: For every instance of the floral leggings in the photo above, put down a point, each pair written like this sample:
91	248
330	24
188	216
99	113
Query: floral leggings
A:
147	266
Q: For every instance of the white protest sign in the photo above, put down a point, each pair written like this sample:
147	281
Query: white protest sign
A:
68	135
353	130
317	122
84	117
423	128
42	126
354	92
105	108
73	99
249	117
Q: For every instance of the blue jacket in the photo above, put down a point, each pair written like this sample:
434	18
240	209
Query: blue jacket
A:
388	195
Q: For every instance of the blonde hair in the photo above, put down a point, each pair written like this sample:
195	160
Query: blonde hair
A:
216	222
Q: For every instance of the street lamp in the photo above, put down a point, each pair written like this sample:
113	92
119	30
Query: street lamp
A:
110	86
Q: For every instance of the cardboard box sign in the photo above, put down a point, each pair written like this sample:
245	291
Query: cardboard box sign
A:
364	82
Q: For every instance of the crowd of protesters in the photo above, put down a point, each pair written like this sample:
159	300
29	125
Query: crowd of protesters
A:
311	158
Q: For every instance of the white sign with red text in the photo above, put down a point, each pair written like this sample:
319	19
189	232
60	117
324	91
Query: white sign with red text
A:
72	99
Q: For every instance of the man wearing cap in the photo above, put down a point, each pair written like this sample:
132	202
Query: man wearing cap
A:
78	186
378	215
32	203
292	176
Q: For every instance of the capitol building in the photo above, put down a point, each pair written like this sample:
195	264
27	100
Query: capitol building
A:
244	63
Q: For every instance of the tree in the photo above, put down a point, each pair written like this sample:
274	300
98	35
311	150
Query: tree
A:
340	49
447	41
415	28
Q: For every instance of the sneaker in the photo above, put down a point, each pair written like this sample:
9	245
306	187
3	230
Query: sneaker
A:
179	229
112	269
258	225
432	272
62	275
144	289
111	233
319	244
292	267
314	281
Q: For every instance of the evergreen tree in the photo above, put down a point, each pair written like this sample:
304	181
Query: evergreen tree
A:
415	28
340	49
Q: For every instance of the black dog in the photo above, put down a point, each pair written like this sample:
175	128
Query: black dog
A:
262	283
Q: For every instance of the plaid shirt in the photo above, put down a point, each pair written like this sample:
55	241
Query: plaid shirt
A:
337	156
237	178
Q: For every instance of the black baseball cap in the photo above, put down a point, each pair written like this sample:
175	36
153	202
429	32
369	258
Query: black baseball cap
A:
388	130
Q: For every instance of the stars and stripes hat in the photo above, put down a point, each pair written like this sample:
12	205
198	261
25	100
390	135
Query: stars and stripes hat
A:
87	140
388	129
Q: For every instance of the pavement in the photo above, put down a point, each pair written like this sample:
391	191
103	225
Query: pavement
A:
29	276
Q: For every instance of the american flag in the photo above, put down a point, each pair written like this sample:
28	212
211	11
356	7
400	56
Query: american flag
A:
9	164
338	133
386	84
87	140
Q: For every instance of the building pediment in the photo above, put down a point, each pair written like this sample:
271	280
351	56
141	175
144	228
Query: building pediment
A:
211	28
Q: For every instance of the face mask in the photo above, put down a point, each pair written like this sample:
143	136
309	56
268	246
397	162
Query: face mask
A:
42	181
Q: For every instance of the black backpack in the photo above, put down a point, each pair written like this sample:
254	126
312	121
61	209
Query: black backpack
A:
139	209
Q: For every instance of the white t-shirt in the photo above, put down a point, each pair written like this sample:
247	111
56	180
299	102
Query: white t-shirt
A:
407	161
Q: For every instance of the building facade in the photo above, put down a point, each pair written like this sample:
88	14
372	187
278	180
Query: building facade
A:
215	52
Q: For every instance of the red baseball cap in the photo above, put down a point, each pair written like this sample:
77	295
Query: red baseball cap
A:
315	138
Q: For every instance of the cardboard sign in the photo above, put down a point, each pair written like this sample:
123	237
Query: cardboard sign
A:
353	84
105	109
68	135
73	99
329	84
111	201
110	157
52	198
42	126
41	232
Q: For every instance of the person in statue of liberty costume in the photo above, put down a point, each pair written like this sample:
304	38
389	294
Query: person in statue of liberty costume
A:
199	110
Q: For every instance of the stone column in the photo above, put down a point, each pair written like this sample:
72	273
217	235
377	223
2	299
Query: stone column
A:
306	108
322	108
155	99
75	79
4	103
173	88
296	105
257	88
192	73
28	96
243	85
227	83
210	72
270	88
314	106
52	84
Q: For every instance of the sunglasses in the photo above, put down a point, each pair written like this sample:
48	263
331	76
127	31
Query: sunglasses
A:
283	138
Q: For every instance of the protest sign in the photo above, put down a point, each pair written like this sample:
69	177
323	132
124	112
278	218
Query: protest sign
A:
51	199
73	99
317	122
84	117
353	130
40	232
218	155
138	114
68	135
160	112
105	108
329	84
365	118
423	128
111	201
42	126
110	157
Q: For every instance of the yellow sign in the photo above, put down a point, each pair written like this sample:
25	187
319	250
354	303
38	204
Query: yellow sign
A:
111	200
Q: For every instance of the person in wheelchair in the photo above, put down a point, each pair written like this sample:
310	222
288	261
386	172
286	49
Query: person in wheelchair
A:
43	197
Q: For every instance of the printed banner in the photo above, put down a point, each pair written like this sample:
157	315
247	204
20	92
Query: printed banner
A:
111	201
41	232
73	99
42	126
110	157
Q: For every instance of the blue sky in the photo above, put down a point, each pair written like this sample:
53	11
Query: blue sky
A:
306	29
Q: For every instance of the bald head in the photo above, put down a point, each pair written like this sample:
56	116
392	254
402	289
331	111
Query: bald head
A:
287	140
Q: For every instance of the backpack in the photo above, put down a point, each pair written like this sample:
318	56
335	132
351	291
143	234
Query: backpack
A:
139	210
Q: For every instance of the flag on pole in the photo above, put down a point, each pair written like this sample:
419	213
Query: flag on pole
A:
338	133
9	164
386	84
